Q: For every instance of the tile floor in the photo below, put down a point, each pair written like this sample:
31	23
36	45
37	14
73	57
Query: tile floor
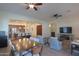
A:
51	52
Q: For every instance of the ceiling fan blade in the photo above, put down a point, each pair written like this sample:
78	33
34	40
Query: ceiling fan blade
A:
34	3
37	3
60	15
35	8
55	15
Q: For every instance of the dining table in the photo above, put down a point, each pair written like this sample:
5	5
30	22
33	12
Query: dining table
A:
24	44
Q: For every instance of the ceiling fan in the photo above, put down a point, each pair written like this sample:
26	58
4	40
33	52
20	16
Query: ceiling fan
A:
57	15
33	6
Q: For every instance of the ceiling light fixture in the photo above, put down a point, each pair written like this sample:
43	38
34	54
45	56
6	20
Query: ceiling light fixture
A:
33	6
57	15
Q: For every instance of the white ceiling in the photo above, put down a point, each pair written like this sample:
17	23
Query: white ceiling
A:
45	12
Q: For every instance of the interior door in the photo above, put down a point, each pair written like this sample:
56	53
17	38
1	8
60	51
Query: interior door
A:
39	29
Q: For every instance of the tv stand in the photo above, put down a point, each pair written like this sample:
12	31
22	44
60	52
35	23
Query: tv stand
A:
68	36
66	39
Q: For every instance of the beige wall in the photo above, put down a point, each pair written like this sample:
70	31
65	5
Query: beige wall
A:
73	22
53	27
6	17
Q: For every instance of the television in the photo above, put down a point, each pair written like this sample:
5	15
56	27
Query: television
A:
3	39
65	29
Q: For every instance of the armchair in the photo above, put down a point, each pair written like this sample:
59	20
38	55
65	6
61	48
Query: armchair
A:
55	43
75	48
41	39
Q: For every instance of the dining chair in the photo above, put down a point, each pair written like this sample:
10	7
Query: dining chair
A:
54	43
37	50
14	52
13	49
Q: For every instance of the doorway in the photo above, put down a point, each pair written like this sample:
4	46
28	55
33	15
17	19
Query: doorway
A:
39	29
